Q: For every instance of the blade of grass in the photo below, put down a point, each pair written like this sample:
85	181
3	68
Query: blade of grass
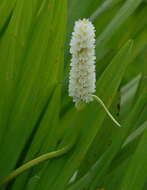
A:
136	174
106	5
128	92
8	55
5	10
126	10
45	137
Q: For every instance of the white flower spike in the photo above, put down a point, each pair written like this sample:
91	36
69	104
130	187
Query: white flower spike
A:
82	74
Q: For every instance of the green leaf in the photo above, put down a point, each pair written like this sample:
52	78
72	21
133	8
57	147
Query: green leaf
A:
44	133
119	165
11	47
136	173
128	93
128	147
106	5
36	83
126	10
6	8
126	128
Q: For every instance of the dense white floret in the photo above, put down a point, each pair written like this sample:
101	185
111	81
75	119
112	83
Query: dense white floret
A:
82	74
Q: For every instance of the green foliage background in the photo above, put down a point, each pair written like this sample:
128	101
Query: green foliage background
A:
36	114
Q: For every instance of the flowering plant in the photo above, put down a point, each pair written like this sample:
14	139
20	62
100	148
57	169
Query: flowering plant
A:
53	65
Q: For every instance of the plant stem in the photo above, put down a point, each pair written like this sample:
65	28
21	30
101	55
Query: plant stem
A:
105	108
35	162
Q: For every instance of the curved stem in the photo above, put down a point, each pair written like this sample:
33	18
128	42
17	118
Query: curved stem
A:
105	108
35	162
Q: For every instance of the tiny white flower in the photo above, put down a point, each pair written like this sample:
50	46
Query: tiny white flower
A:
82	73
82	77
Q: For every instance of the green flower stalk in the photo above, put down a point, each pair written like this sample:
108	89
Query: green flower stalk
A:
35	162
